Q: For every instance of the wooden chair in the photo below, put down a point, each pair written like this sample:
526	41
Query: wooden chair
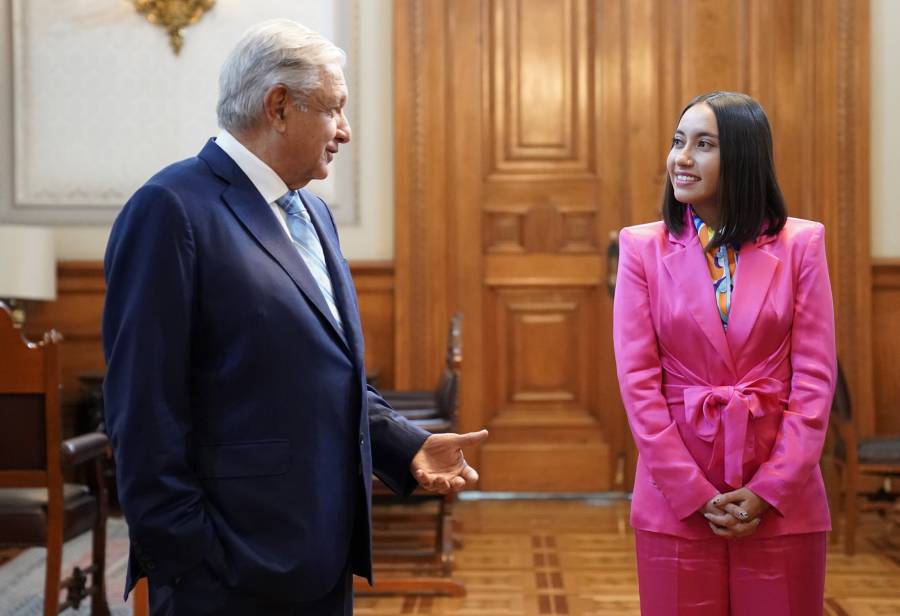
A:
414	537
140	598
853	460
434	410
37	508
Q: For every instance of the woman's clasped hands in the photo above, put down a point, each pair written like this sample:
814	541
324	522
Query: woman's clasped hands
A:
734	514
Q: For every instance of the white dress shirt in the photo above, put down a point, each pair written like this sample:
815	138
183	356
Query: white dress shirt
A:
266	181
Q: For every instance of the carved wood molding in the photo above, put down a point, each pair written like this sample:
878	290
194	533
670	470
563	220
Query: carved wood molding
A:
850	218
423	219
409	154
540	228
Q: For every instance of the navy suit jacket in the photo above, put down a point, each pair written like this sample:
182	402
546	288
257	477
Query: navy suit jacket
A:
244	432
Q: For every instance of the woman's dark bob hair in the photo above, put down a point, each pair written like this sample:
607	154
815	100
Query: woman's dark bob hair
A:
750	200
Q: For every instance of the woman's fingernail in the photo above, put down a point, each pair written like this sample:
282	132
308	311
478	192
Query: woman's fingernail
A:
707	516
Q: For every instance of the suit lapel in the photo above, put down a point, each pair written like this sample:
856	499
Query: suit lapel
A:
755	271
687	266
248	206
340	282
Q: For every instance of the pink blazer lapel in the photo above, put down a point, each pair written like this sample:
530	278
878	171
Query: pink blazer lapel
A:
687	267
755	271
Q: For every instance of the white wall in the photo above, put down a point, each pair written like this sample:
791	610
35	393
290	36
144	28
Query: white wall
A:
362	177
885	128
373	236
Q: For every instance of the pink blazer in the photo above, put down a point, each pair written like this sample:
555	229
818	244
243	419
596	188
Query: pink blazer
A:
712	410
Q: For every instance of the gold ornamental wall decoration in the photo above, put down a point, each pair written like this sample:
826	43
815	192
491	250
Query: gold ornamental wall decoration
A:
173	15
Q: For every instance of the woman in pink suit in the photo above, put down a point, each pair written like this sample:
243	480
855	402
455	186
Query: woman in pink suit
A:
724	340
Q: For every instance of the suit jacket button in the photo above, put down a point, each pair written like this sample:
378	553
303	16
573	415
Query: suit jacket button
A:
362	440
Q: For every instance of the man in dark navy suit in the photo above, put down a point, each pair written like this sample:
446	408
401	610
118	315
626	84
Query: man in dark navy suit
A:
244	432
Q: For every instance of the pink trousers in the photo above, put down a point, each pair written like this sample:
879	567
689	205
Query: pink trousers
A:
777	576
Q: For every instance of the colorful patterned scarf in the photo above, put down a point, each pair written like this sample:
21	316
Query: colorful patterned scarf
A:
722	278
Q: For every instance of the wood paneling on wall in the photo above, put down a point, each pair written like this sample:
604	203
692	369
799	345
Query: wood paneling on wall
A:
885	347
76	314
507	110
77	311
374	282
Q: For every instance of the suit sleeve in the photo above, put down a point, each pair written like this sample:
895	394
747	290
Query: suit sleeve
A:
656	435
798	445
395	441
147	324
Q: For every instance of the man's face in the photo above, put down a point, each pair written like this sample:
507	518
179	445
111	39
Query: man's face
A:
316	127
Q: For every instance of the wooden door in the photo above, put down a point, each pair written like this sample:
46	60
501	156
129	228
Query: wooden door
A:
529	130
528	95
547	201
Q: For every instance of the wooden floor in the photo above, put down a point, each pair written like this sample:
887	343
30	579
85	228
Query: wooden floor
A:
574	557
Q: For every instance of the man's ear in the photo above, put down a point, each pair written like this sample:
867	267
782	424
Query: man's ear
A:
275	103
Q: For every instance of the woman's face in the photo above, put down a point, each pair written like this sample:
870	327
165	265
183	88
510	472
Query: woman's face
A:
693	162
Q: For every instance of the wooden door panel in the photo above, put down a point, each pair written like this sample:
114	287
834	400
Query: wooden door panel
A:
542	228
539	106
541	355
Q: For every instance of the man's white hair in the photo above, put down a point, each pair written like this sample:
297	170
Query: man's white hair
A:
269	53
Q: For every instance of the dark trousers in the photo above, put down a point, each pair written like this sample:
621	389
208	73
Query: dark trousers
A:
200	593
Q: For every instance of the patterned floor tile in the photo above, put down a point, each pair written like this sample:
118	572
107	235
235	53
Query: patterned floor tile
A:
536	558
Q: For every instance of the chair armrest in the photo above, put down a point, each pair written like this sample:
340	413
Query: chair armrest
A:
83	447
412	403
435	426
405	394
419	413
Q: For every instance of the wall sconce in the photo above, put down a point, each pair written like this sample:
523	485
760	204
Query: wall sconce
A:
173	15
27	267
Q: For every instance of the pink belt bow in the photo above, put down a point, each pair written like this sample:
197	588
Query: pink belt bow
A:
720	415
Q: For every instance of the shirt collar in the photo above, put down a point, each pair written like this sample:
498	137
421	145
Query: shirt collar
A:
263	177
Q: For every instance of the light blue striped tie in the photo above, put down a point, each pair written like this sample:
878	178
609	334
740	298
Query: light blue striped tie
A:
303	233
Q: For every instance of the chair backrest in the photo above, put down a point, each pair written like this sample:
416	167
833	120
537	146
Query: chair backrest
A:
840	404
454	343
841	440
29	408
447	392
